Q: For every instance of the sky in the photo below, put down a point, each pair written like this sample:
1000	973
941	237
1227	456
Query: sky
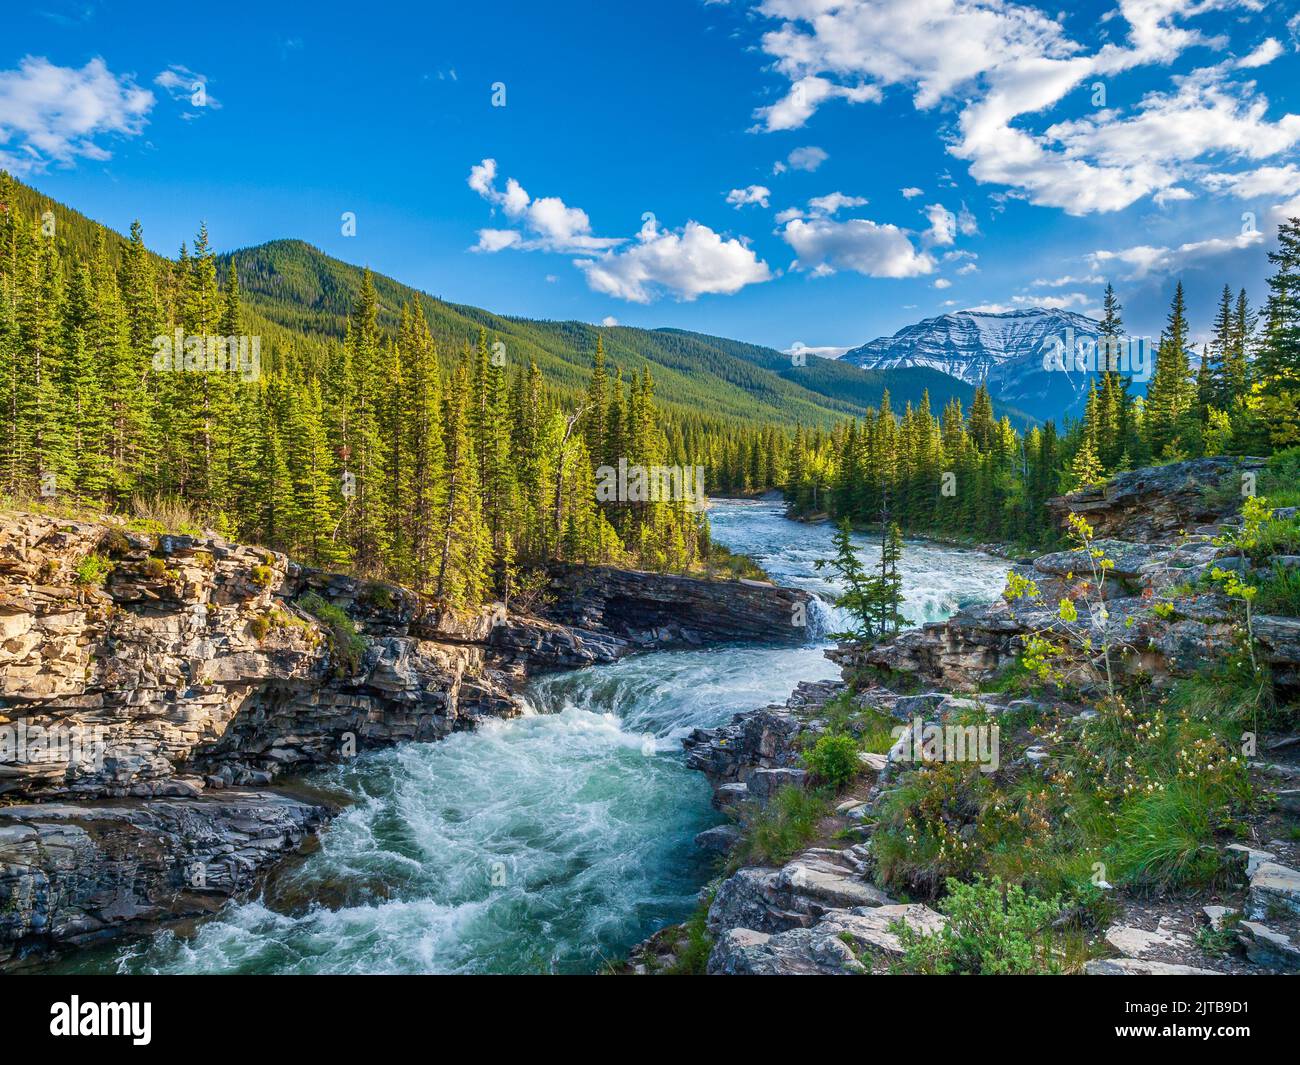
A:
787	172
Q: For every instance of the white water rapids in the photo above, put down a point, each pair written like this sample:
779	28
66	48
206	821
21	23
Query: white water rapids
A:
548	843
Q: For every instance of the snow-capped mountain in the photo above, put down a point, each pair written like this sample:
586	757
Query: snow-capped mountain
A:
1005	350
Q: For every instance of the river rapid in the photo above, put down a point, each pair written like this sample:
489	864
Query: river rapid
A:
548	843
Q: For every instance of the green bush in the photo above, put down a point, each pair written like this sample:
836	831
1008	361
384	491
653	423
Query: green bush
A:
833	760
346	644
261	576
993	929
93	570
153	568
260	626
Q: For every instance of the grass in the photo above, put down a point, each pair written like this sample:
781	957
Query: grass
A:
776	833
727	564
695	944
1279	593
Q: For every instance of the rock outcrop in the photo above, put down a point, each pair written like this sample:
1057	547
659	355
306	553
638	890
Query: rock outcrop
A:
1156	503
78	873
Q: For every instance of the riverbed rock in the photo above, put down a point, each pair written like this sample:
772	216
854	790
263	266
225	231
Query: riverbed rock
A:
77	873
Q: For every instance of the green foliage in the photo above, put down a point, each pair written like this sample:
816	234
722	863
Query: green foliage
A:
872	599
346	645
695	944
993	929
93	569
262	576
260	627
1279	593
833	760
775	833
153	568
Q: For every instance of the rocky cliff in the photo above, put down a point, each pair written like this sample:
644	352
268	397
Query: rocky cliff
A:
144	676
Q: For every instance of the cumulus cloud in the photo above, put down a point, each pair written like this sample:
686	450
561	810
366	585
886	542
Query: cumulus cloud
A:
809	159
821	207
1144	260
686	264
547	222
1265	181
911	192
824	246
56	115
750	194
1003	65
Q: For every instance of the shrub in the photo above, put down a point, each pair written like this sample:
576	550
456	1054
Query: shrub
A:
833	760
166	514
378	596
262	576
346	645
993	929
93	570
694	945
115	543
153	568
260	626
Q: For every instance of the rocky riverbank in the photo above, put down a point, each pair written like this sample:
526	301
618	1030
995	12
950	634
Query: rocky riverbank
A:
152	688
807	887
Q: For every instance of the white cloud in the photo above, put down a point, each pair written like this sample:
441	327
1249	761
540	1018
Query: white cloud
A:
821	207
186	86
548	223
1266	181
911	192
609	321
1269	50
943	225
750	194
824	246
1061	282
942	282
1000	64
686	264
809	158
1054	303
805	96
1144	260
52	114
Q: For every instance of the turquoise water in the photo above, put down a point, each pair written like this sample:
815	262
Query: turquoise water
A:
549	843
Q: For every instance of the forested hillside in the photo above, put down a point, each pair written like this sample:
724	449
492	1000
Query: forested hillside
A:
291	400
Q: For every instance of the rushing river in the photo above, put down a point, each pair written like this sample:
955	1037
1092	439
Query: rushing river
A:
552	842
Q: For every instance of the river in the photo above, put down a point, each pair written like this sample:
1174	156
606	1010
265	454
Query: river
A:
548	843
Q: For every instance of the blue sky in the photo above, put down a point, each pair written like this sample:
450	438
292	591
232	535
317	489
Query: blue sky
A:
812	171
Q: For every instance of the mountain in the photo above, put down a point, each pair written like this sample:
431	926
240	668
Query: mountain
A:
298	287
1005	350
